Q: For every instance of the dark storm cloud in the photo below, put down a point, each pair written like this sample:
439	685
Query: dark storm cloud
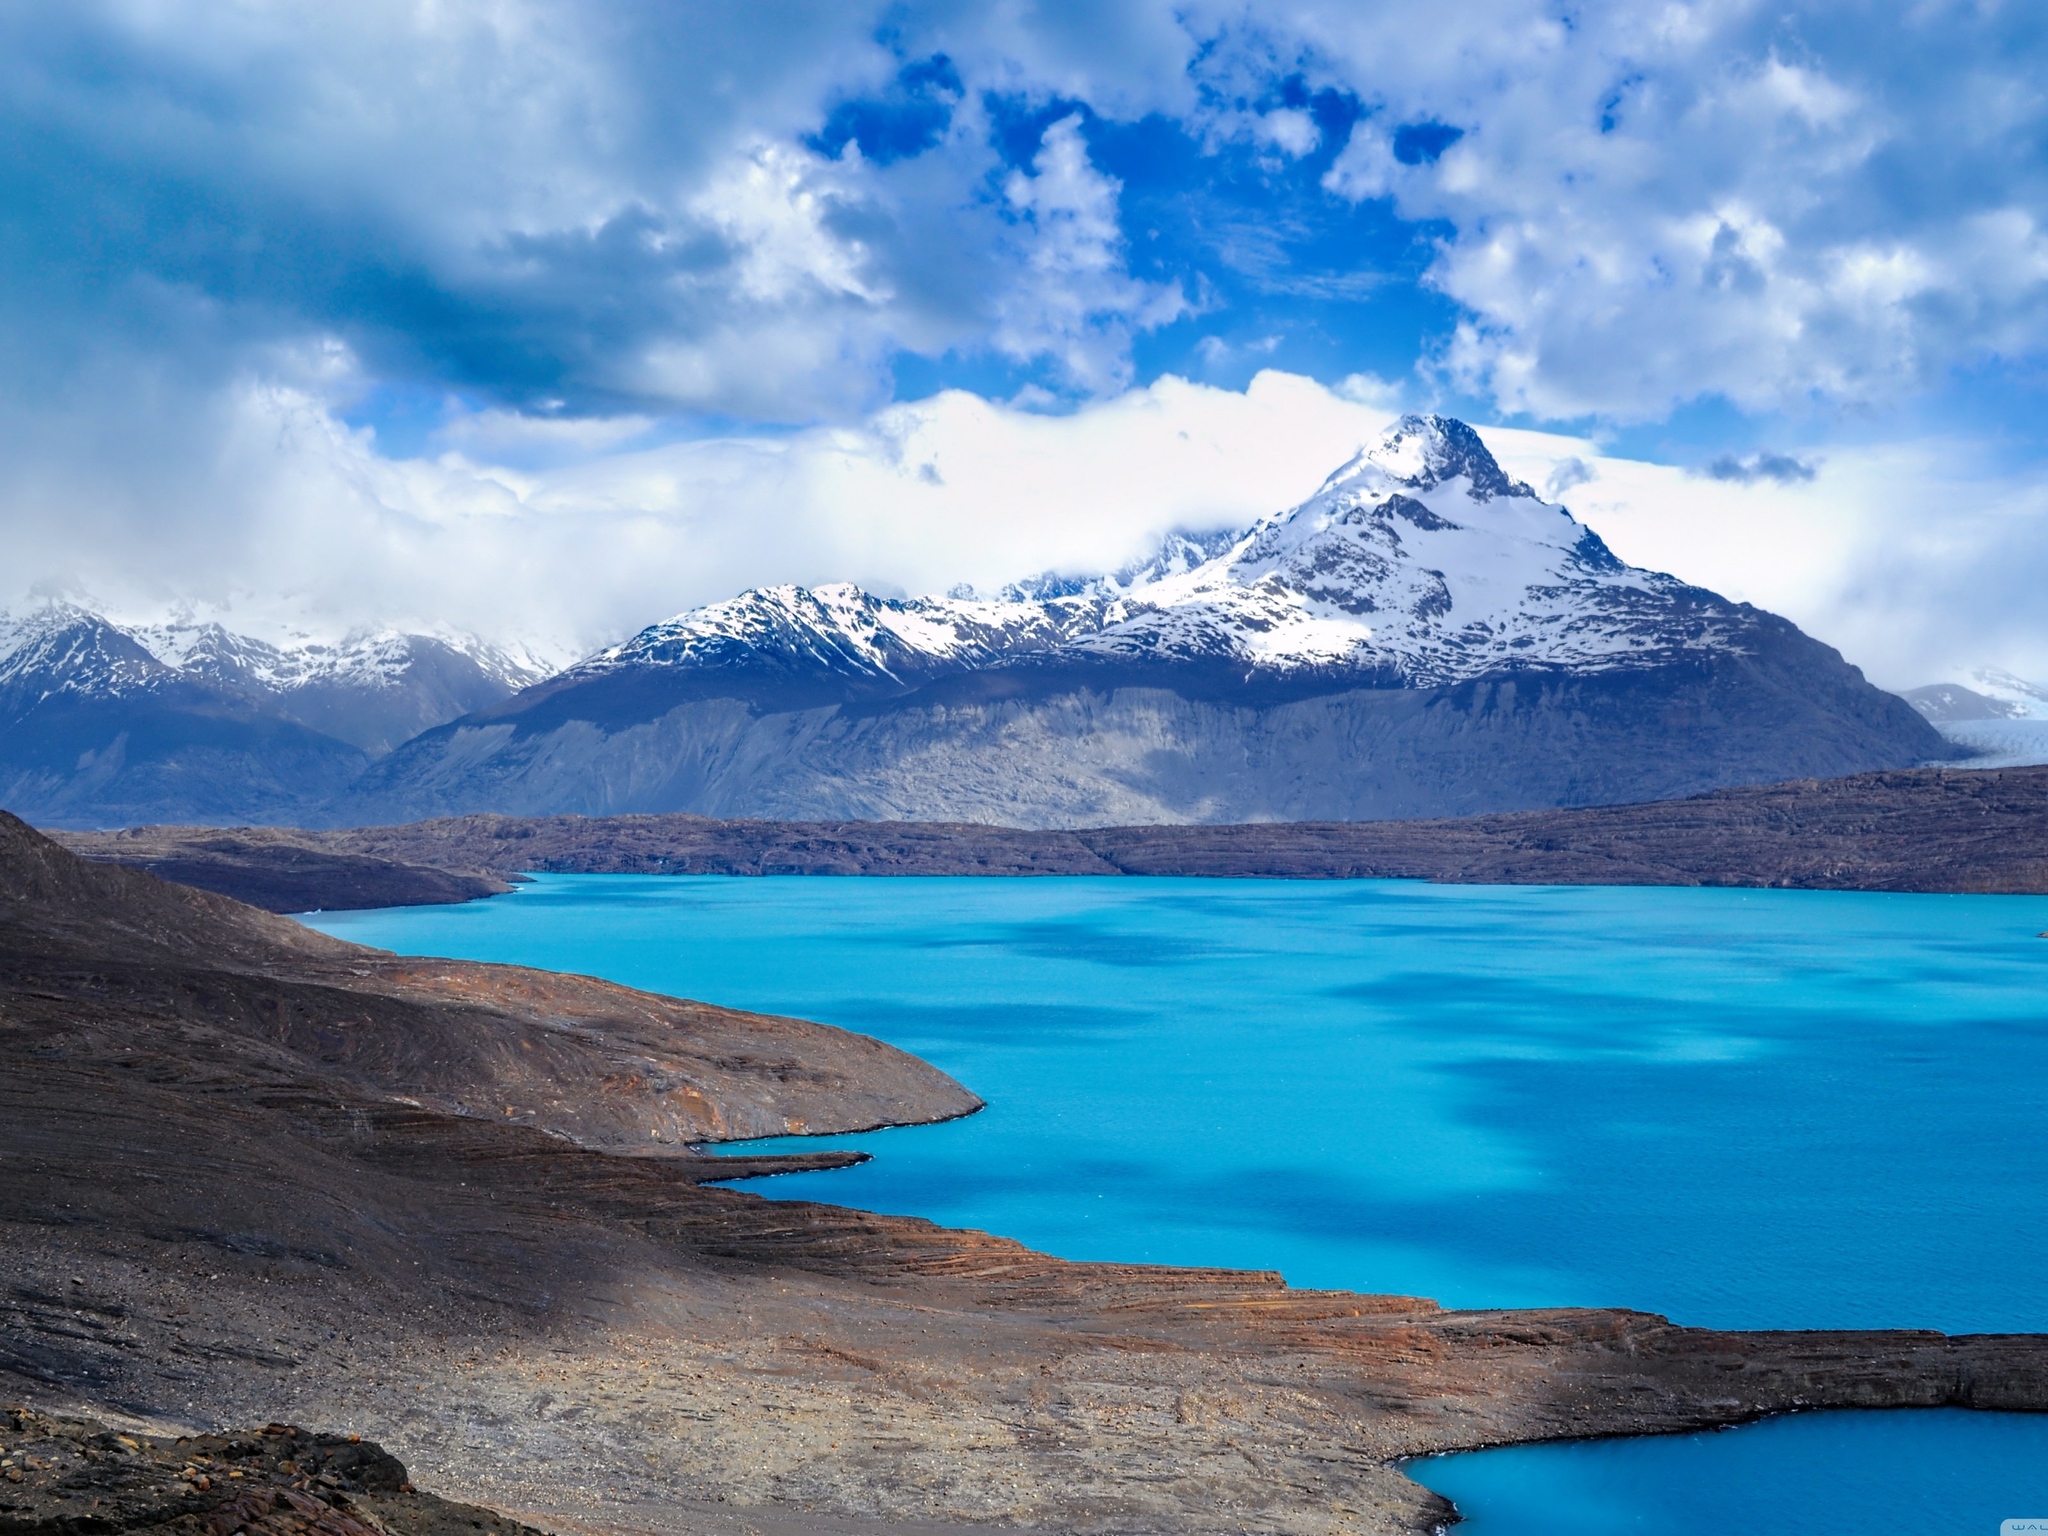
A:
503	205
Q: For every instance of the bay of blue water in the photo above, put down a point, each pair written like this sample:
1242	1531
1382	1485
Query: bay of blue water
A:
1738	1108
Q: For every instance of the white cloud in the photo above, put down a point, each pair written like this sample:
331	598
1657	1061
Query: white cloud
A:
1913	558
773	206
609	201
1078	304
295	521
1653	203
1288	129
1648	202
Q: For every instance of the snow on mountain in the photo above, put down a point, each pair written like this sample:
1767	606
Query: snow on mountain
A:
840	630
372	689
64	649
366	659
1421	562
1418	563
1178	553
79	651
2021	700
1999	719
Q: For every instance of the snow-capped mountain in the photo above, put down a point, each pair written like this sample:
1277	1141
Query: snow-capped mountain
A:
62	649
103	722
380	658
1419	564
836	636
1990	694
839	635
372	689
1423	635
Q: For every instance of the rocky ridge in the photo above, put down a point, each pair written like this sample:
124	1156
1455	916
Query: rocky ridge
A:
594	1064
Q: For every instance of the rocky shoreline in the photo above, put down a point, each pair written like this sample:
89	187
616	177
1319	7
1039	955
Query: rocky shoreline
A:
249	1174
1918	830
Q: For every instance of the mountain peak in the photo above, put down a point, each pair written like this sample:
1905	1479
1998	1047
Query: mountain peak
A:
1419	562
1420	453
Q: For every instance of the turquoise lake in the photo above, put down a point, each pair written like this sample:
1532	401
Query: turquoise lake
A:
1737	1108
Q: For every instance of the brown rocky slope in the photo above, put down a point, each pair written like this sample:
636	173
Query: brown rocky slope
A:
244	1177
61	1475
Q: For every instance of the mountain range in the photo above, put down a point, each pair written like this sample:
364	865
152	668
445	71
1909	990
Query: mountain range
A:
102	724
1423	636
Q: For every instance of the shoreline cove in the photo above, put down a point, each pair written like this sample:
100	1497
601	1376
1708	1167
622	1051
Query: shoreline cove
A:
1705	1483
258	1174
1048	940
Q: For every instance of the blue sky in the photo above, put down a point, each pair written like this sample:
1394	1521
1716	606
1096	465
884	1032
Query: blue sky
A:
285	286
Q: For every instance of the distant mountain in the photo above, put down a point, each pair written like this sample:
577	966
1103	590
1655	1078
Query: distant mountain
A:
2001	722
105	725
1997	696
1423	636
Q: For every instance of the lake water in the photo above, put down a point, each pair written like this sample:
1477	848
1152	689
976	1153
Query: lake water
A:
1738	1108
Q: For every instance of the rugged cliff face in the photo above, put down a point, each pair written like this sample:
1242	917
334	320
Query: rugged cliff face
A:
1422	637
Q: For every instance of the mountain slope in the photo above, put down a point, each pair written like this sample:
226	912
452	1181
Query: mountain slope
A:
101	724
373	690
1422	637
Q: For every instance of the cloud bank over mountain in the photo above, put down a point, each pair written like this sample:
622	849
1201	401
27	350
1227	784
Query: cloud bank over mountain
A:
583	311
